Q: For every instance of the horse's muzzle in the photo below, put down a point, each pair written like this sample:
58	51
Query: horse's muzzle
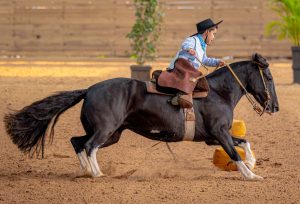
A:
271	111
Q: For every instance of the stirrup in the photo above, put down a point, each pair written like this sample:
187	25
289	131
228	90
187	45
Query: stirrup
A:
182	100
175	100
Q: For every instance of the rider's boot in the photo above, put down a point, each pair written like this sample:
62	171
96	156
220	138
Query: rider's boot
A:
183	100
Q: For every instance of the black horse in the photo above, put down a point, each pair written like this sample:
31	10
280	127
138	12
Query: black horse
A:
117	104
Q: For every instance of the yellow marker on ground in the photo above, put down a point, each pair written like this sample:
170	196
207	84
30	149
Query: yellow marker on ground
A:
238	128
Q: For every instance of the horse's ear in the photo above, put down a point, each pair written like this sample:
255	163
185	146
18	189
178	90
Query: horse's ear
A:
259	59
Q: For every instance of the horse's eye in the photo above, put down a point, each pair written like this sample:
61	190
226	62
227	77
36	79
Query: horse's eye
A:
268	76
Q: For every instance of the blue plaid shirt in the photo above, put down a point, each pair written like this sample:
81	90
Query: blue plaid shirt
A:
189	43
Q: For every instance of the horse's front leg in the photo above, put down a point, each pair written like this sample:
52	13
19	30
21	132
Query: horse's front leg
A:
249	157
227	143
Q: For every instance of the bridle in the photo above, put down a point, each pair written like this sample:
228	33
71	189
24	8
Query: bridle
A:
256	107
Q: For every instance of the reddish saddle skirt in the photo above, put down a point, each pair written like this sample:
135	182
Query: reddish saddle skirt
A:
170	82
199	91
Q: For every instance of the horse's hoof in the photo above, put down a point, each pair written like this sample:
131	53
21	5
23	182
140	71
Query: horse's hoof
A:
100	174
254	177
258	178
85	172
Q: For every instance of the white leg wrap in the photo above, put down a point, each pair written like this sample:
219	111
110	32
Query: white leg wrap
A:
247	174
84	163
96	172
250	159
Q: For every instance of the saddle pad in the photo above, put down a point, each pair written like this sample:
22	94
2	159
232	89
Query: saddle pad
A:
151	88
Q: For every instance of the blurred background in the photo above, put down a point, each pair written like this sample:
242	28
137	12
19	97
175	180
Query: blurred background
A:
48	46
96	29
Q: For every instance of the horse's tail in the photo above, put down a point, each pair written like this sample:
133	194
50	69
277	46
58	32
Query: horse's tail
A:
27	127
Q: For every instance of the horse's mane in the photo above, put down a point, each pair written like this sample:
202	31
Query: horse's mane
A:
225	69
256	58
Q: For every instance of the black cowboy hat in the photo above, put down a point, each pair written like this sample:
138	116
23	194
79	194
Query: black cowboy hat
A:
206	24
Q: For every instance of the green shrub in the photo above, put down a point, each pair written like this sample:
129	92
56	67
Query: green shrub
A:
146	30
288	26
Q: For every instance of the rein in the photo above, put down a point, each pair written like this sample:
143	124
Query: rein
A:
256	107
192	79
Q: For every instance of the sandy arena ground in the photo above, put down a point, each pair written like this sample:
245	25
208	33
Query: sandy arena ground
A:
135	171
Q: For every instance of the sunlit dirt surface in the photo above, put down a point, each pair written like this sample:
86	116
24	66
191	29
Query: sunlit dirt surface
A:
135	171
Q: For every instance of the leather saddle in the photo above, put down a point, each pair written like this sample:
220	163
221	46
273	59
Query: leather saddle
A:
200	91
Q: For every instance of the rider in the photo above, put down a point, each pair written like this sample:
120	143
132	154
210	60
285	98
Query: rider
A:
192	50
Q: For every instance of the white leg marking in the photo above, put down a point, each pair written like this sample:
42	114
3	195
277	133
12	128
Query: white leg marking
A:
84	163
96	172
250	159
247	174
81	160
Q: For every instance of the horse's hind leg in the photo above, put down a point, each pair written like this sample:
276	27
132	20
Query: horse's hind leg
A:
78	145
249	157
99	140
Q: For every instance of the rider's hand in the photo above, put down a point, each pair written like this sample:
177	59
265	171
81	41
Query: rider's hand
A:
192	52
221	63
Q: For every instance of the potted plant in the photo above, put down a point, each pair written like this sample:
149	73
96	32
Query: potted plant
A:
144	36
288	26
